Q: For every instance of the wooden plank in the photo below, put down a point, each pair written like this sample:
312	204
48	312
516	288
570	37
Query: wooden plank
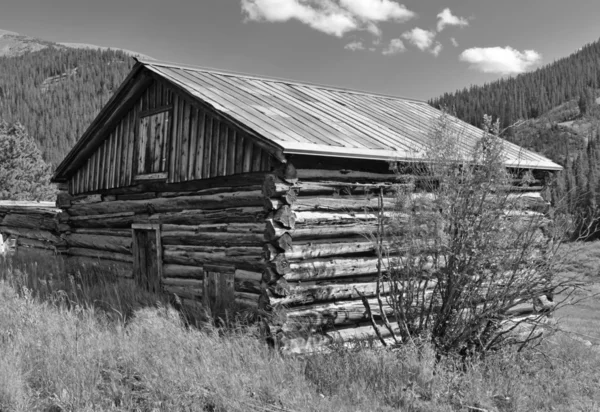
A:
239	152
159	259
207	147
231	141
124	145
214	162
185	143
180	116
113	159
173	138
104	165
257	159
248	146
222	163
142	138
193	143
151	96
85	169
199	155
159	138
119	154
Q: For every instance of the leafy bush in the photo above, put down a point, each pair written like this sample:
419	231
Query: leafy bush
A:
466	258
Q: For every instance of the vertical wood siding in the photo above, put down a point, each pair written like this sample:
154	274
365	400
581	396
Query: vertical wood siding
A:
177	136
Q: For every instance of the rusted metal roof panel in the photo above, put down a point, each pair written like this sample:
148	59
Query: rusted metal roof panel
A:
320	120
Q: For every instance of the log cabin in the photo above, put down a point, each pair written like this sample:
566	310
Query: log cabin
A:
237	191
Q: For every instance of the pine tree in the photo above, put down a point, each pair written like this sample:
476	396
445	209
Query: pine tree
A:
23	173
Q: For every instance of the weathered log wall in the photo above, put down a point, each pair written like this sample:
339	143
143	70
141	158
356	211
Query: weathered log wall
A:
211	234
321	259
32	225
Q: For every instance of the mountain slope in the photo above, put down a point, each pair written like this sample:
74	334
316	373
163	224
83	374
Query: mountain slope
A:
554	111
14	44
56	92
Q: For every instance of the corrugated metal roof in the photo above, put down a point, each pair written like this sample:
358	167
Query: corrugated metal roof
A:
320	120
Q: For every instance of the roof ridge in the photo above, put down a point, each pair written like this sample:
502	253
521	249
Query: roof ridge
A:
211	70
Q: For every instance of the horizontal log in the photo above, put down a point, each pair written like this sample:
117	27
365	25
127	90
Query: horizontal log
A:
75	218
311	251
209	191
184	283
182	271
31	221
249	251
336	313
106	222
37	234
109	243
215	227
212	238
100	254
87	264
248	275
330	268
161	205
85	199
188	258
34	243
103	232
300	294
274	231
343	267
136	196
28	207
231	215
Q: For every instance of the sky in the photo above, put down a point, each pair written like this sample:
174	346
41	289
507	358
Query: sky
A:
416	48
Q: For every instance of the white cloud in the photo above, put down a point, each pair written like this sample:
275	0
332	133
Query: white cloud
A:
396	46
453	41
378	10
436	49
422	39
334	17
502	60
355	45
446	18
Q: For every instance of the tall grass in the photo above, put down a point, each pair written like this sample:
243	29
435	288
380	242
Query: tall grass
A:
89	344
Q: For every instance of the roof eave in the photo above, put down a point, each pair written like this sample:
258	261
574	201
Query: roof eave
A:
393	155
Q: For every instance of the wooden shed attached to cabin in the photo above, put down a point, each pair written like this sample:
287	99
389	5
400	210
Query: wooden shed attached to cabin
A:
225	188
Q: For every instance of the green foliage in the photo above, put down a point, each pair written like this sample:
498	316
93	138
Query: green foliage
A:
23	173
56	93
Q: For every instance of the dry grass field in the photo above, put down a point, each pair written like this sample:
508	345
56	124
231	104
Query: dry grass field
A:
85	343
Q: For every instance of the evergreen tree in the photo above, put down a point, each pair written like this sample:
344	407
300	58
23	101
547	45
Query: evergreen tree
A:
23	173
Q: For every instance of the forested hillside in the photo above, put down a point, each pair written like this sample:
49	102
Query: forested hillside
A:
56	92
553	111
528	95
